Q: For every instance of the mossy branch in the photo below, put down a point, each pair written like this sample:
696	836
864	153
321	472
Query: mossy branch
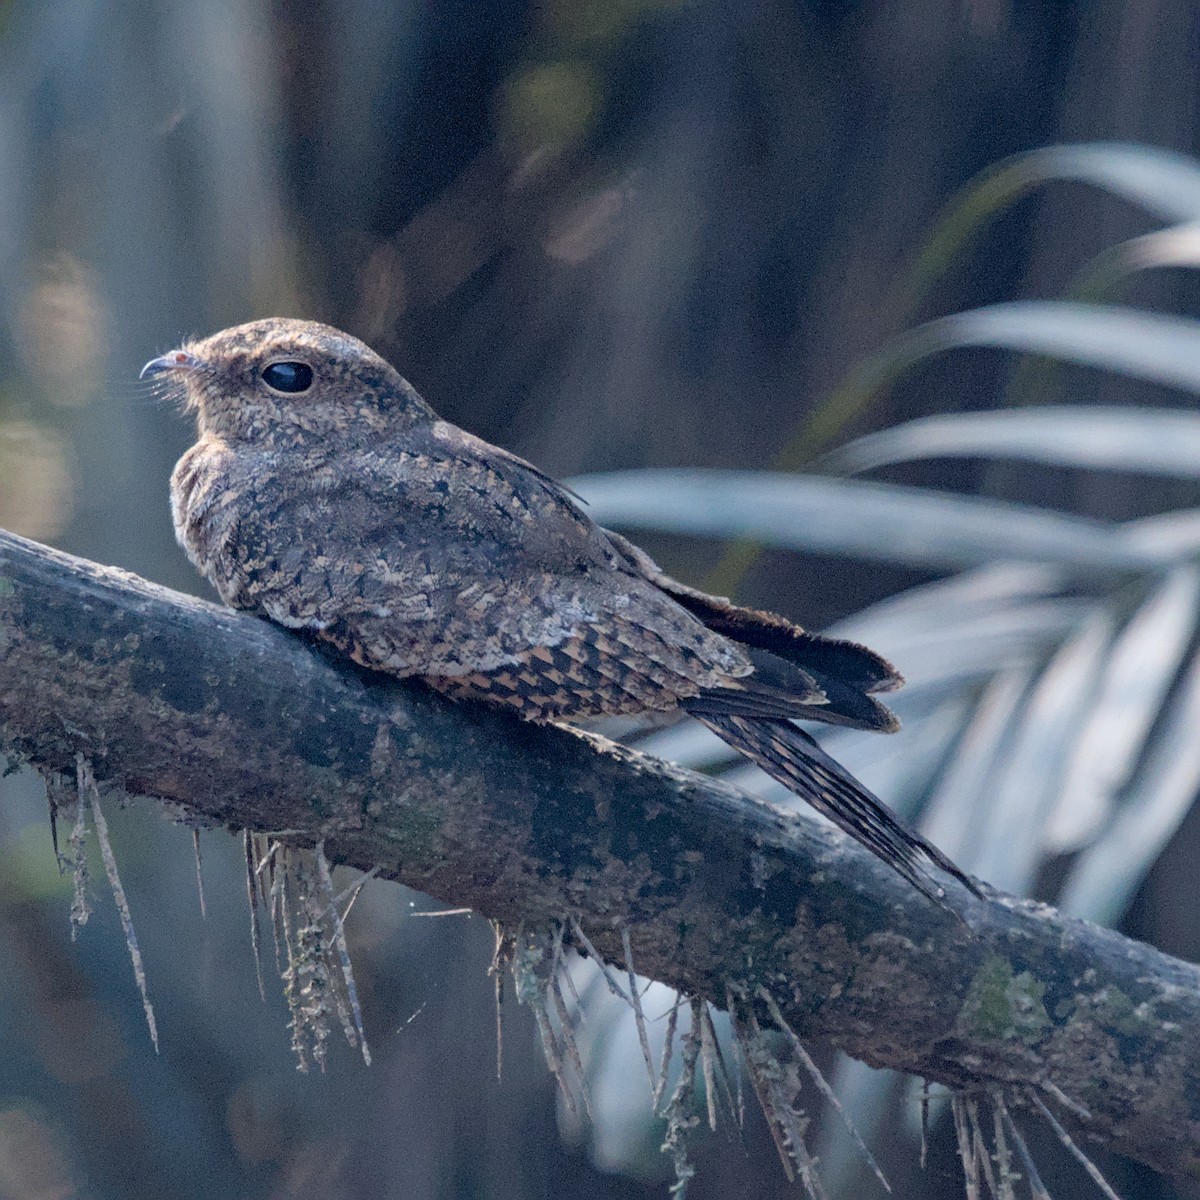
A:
242	724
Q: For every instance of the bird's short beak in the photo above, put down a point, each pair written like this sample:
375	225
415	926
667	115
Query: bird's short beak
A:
176	360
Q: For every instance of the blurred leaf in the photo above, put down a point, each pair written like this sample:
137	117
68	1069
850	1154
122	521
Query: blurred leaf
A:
1178	246
960	650
975	592
1018	795
1164	183
1107	873
36	485
1169	536
910	525
1142	664
1154	441
1152	346
1104	280
897	768
953	817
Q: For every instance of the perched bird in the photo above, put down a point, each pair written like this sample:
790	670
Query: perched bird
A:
325	494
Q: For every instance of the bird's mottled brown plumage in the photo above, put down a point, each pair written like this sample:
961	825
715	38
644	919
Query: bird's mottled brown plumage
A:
347	508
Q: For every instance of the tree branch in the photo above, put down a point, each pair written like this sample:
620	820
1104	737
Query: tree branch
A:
245	725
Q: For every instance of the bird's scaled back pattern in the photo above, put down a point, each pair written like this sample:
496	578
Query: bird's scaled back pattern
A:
325	494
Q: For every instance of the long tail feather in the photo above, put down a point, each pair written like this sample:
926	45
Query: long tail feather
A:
789	755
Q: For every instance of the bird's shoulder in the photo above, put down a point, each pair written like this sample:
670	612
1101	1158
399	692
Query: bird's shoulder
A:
459	475
432	478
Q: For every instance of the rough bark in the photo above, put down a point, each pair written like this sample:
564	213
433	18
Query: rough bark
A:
243	724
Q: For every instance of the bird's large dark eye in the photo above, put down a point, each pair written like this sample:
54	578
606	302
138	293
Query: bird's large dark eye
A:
288	376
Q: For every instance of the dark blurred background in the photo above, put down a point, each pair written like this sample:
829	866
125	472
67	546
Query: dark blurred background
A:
604	233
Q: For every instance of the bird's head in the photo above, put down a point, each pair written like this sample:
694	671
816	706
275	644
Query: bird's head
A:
279	383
